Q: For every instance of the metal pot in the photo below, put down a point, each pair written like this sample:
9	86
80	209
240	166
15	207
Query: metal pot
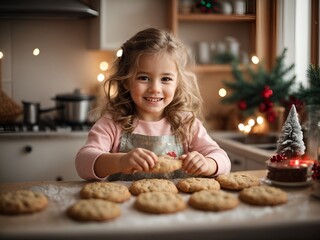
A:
32	111
73	107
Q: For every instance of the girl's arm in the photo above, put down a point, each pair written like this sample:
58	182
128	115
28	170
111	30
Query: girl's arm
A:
216	158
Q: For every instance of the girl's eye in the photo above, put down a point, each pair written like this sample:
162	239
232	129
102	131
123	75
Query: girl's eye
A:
166	79
143	78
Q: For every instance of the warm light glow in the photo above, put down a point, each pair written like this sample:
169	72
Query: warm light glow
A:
36	51
222	92
260	120
241	127
104	66
247	129
255	59
100	77
120	52
251	122
1	55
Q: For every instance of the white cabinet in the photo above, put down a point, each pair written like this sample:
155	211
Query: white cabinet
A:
39	157
238	163
120	19
253	165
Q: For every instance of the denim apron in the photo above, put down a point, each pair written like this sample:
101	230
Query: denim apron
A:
160	145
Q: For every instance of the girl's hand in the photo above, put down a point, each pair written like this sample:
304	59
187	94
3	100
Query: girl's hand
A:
195	163
137	160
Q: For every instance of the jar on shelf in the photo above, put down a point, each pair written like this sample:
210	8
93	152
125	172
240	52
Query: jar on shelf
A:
239	7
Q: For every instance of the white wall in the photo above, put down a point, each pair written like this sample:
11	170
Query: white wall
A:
64	63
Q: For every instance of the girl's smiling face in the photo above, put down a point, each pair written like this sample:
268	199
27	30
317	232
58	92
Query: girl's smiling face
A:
153	86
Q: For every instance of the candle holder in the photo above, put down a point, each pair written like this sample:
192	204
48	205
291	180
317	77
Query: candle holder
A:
291	172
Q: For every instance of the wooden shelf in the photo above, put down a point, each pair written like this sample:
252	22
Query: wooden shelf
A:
217	18
207	68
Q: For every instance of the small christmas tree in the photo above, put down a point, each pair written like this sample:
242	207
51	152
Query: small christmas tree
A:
290	143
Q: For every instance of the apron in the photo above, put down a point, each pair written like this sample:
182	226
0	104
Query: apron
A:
160	145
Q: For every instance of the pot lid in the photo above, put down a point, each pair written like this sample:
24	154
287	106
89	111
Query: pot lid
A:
77	95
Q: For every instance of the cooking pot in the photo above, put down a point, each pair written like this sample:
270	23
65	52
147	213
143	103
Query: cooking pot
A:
32	111
73	107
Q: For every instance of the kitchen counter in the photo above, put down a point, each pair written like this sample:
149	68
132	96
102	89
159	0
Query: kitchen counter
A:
299	218
69	134
243	156
226	140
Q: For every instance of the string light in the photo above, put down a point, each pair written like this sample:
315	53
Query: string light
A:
259	120
1	55
100	77
222	92
104	66
120	52
255	60
36	51
251	122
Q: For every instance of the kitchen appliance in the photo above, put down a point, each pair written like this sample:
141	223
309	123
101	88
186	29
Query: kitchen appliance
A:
70	114
45	9
32	111
73	107
47	125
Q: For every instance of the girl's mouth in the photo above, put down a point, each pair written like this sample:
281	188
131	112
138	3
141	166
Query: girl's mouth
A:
149	99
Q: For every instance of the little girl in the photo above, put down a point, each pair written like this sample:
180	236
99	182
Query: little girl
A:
152	106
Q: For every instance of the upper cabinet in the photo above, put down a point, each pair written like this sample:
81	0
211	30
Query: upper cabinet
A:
240	26
120	20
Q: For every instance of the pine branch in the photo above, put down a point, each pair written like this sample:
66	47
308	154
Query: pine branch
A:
311	95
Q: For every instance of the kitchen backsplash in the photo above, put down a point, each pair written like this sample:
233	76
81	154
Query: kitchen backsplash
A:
65	62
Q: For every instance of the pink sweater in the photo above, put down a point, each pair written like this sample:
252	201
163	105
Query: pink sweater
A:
105	136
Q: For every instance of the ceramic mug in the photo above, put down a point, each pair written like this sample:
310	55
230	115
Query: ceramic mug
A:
204	52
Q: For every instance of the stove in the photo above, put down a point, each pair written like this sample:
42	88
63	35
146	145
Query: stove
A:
45	126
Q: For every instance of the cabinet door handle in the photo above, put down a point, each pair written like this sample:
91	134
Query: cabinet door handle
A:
28	149
59	178
236	162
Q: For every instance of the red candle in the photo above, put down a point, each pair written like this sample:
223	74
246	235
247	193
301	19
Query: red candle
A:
300	163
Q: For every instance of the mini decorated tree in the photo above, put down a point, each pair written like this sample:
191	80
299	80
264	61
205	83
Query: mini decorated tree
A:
290	144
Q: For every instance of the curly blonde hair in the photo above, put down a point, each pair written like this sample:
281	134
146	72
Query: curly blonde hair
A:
186	99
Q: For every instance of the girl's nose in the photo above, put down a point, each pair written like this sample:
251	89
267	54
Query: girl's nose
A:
155	86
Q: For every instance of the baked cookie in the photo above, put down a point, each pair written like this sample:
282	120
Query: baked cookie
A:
160	202
106	190
166	164
213	200
93	210
237	181
263	196
190	185
22	201
152	185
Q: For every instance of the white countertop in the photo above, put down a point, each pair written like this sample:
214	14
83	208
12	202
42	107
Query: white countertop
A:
299	218
250	151
44	134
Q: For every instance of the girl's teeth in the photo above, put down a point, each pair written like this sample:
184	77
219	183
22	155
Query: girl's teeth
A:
153	99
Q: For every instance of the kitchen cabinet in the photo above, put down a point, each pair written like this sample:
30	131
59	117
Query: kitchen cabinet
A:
241	163
238	163
38	157
120	20
253	30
